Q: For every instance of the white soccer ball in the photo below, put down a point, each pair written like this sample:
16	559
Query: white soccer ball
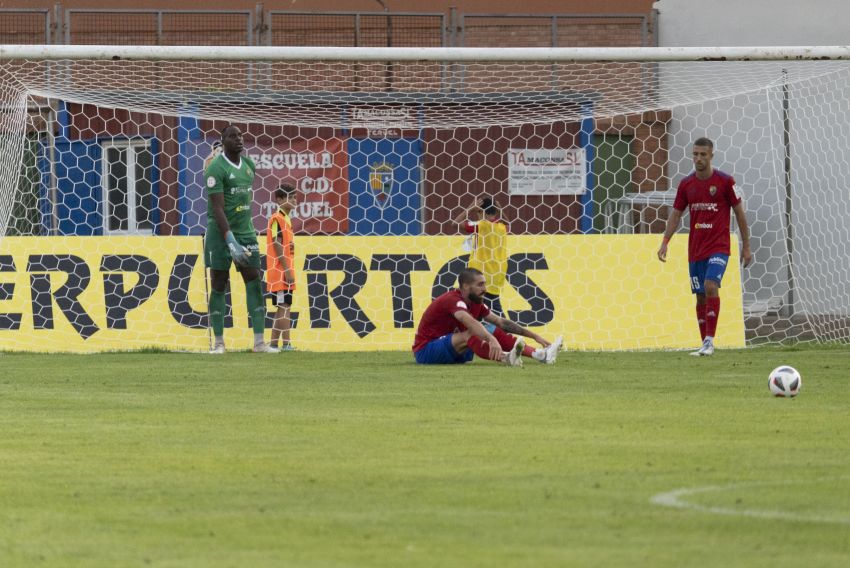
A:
784	381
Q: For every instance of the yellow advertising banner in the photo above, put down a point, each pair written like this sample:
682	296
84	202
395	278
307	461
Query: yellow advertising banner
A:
90	294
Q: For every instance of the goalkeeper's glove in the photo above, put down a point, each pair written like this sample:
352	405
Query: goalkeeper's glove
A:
238	253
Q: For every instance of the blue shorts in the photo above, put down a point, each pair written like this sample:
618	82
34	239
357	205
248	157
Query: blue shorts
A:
711	268
440	352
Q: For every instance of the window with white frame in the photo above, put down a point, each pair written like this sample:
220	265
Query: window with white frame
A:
128	200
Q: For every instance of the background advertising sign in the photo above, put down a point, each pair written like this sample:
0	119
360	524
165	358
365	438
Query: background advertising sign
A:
384	194
317	168
90	294
556	171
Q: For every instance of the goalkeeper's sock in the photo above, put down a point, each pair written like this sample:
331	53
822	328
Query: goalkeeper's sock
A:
701	320
217	305
256	306
712	314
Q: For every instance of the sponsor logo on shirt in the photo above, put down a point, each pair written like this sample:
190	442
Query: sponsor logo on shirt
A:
239	190
704	207
737	191
703	226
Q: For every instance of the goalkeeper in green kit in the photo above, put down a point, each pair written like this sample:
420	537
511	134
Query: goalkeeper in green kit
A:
231	236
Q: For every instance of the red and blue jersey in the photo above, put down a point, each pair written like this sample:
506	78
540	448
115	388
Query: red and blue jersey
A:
439	319
710	202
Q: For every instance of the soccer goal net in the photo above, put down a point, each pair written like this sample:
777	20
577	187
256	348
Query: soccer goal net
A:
103	205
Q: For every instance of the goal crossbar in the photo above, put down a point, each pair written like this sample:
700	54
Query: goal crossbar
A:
442	54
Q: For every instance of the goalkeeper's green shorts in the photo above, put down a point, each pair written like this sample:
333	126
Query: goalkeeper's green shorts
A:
217	253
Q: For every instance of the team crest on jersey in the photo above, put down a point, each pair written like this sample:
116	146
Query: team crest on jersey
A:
381	182
712	190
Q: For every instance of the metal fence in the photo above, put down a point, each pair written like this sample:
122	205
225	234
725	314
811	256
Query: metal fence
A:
25	26
556	30
356	29
159	27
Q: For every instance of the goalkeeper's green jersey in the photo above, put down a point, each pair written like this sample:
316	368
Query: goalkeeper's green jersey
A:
236	182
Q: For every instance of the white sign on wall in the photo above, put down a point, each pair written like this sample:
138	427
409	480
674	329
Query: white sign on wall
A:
383	121
552	171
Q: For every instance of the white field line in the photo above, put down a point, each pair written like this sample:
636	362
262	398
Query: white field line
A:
676	499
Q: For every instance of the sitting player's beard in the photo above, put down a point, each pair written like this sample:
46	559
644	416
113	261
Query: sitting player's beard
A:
475	298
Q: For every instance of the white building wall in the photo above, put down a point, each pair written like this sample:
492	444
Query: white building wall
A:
685	23
748	132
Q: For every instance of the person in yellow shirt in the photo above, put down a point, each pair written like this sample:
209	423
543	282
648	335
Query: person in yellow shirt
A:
489	250
280	264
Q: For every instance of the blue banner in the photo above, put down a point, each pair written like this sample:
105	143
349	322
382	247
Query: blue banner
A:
384	186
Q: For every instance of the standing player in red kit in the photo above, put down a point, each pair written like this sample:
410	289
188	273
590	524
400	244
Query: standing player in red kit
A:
709	194
458	325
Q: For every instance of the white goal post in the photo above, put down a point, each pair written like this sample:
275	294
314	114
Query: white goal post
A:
103	207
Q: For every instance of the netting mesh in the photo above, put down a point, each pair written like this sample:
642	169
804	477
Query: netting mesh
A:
104	206
451	94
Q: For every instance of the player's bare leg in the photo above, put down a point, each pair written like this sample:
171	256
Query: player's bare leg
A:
280	330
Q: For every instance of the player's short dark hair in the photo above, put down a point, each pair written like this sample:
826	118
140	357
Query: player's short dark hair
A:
468	276
285	190
703	141
223	131
489	206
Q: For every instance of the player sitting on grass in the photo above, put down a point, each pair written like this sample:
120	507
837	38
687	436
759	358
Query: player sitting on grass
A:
451	329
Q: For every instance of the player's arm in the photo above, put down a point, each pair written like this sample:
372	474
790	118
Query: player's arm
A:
277	242
215	185
217	200
672	225
514	328
462	219
285	260
474	326
741	219
215	193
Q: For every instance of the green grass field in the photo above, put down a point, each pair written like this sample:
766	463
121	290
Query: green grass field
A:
308	459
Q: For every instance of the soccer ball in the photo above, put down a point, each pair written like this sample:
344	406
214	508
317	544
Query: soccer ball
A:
784	381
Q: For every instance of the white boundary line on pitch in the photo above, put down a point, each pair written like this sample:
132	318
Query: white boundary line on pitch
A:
675	499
